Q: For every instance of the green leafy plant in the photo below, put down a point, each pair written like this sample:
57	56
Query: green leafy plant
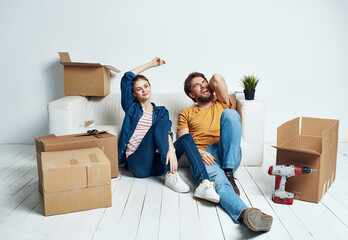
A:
249	82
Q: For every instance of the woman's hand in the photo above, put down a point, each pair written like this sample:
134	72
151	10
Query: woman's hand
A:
207	158
154	63
171	159
157	62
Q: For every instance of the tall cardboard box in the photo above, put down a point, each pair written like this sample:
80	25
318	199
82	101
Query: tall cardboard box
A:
75	180
85	79
49	143
313	145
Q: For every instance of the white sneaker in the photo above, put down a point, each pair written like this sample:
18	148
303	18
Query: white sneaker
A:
175	182
206	190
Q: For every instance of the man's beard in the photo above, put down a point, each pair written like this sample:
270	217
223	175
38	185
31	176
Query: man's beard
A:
206	99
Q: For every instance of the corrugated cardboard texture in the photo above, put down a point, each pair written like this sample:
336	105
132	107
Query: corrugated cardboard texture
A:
49	143
316	126
287	131
305	187
85	79
75	180
315	147
77	200
74	169
330	144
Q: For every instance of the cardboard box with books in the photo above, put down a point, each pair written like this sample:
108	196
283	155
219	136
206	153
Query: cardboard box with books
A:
309	143
85	79
75	180
106	142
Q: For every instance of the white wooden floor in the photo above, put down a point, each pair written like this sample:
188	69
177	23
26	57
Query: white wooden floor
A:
145	209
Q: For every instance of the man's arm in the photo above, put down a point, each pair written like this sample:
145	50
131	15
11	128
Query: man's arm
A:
154	63
182	132
218	84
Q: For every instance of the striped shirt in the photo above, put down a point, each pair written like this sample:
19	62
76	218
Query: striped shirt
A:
143	126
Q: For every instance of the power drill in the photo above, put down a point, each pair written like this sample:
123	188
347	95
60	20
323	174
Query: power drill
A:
282	172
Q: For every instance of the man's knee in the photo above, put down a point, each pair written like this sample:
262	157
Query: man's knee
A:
186	137
230	115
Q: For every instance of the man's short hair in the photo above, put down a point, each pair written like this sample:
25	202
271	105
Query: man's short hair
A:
187	84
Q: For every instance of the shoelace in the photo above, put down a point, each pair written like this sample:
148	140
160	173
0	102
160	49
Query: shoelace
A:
210	184
176	177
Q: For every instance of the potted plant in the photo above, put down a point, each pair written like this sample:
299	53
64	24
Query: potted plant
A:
249	83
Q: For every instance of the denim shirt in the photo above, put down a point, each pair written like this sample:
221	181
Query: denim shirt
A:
133	112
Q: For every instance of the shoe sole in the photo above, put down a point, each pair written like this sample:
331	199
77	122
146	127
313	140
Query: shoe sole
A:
258	221
208	199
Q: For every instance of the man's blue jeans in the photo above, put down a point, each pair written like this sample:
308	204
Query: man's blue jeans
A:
145	161
228	154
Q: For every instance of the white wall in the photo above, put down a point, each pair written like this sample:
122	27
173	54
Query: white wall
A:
298	48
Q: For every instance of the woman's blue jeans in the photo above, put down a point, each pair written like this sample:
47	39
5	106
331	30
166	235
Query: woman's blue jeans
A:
228	154
145	161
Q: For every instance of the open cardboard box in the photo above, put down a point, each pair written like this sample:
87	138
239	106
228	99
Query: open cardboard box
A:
315	146
85	79
50	143
75	180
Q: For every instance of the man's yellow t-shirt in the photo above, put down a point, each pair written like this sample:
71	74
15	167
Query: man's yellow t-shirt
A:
203	125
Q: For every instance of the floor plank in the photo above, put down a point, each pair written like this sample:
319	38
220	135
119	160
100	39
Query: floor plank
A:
110	221
128	226
150	217
170	215
146	209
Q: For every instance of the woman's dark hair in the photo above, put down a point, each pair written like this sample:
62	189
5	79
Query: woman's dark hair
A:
137	77
187	83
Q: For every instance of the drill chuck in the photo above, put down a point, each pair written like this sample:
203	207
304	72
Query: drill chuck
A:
306	170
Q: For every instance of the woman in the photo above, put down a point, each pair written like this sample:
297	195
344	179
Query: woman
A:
145	144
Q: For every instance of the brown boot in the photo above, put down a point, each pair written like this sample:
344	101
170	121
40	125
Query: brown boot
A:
256	220
231	178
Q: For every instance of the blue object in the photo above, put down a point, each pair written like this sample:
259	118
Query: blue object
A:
133	113
228	154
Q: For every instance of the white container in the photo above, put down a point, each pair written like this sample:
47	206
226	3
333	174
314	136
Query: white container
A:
252	113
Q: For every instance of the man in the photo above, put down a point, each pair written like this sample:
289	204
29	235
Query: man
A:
216	130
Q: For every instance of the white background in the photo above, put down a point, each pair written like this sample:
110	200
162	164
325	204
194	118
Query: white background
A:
298	48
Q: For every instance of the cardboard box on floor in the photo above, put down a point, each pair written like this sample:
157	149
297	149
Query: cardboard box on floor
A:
75	180
315	147
50	143
85	79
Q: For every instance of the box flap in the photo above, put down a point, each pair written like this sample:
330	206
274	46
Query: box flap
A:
80	64
64	56
288	131
112	68
298	150
39	142
315	126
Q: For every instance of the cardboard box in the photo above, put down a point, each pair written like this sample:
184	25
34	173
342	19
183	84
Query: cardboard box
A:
75	180
50	143
85	79
314	146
